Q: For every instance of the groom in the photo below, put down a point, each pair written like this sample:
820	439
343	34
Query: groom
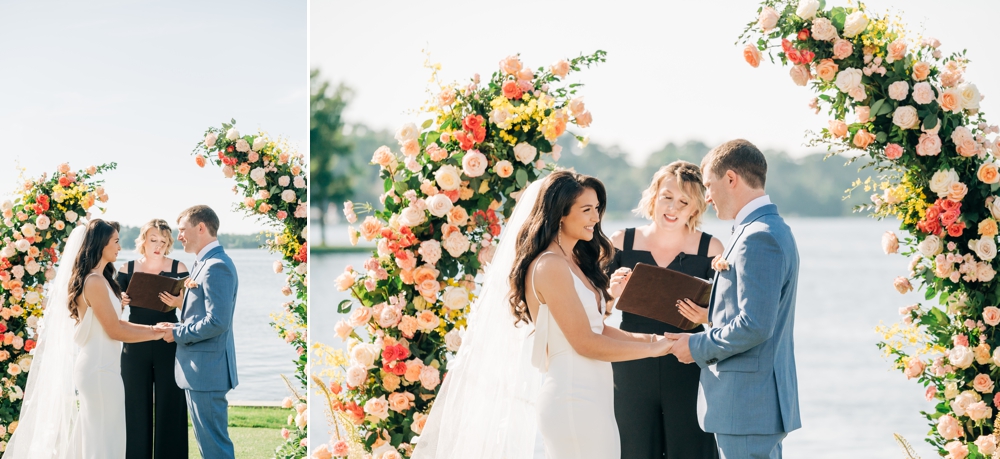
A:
206	355
749	393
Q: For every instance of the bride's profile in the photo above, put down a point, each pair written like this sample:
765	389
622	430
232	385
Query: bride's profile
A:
77	360
547	274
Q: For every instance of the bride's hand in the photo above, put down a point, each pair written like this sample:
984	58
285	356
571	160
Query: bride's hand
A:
662	346
693	312
618	280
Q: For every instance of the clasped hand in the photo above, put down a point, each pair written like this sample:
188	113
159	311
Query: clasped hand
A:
168	331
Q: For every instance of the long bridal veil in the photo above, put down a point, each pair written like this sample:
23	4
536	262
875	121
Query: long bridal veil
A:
485	408
49	406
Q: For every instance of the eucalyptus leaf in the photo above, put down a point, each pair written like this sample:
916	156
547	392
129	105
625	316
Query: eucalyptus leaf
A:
344	307
876	107
930	121
521	177
427	124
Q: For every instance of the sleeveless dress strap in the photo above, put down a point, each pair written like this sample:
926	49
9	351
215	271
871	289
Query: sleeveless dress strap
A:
131	267
706	240
84	291
173	267
629	239
540	340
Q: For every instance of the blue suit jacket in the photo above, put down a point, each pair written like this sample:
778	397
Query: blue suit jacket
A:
748	380
206	353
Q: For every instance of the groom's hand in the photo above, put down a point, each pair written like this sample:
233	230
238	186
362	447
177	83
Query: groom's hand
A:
169	329
681	349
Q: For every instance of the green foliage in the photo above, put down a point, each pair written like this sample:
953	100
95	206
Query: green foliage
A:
334	169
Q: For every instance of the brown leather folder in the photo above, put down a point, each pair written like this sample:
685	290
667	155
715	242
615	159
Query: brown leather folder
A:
144	290
653	292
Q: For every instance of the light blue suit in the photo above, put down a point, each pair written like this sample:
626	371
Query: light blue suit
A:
206	354
749	391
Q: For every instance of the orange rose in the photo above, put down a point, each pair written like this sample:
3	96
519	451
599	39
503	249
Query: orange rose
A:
988	173
949	101
200	161
406	276
863	138
371	228
424	273
752	55
921	70
988	227
827	70
429	289
511	90
400	401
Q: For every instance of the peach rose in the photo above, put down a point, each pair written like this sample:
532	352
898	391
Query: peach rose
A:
982	383
503	169
419	421
949	427
407	326
446	97
400	401
427	320
800	74
510	65
921	70
430	377
914	368
429	289
890	243
893	151
370	228
929	145
837	128
356	376
425	272
988	173
752	55
343	330
456	244
991	316
902	285
824	30
344	281
360	316
899	90
413	368
979	411
560	68
377	408
957	191
340	449
957	450
584	119
384	157
436	152
896	51
474	163
950	100
768	19
923	93
458	216
987	444
826	70
841	48
862	139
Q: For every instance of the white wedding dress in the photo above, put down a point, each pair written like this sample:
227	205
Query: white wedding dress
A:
576	405
99	432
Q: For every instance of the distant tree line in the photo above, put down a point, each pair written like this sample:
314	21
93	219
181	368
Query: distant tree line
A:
129	234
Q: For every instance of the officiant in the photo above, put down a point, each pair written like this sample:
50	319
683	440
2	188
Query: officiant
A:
656	398
152	398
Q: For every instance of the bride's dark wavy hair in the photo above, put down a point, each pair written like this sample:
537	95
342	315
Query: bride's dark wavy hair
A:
96	238
559	192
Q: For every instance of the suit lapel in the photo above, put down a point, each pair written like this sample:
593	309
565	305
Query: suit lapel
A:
754	216
194	274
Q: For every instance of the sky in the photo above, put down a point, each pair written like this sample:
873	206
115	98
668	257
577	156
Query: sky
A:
137	83
673	74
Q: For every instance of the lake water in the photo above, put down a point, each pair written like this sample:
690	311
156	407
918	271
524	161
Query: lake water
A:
851	402
261	356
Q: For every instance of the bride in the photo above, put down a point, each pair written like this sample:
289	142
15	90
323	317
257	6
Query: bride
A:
549	276
78	358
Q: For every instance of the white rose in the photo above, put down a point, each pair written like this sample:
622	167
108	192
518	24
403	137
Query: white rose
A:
284	180
962	402
22	245
301	269
411	216
8	251
242	146
430	251
17	271
848	79
968	96
356	376
930	246
456	244
43	222
448	178
807	9
257	174
31	298
856	23
500	117
439	205
985	248
525	153
210	139
232	134
259	143
455	298
71	216
409	131
961	356
364	355
824	30
299	182
6	205
33	321
28	230
941	181
906	117
994	207
768	19
32	267
288	195
453	340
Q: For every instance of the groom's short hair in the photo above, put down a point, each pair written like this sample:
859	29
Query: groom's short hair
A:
741	157
202	214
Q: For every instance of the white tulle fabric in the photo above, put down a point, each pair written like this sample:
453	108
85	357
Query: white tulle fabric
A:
486	405
49	407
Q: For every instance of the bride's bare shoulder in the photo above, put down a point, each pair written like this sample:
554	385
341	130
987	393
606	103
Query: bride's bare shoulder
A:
551	267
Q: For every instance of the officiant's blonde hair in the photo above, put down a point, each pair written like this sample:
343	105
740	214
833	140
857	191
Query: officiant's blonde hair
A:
160	225
688	178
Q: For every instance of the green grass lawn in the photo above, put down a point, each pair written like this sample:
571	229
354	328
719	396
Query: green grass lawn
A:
255	431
